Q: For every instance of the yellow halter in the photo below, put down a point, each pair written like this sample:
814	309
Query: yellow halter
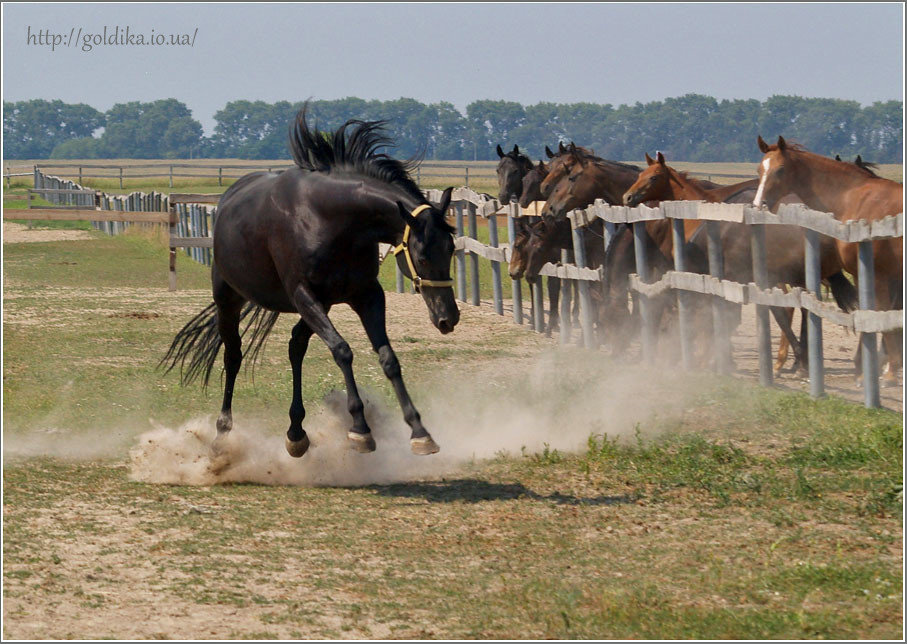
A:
404	248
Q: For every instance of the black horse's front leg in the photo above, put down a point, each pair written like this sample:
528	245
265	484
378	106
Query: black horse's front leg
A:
315	316
554	293
371	310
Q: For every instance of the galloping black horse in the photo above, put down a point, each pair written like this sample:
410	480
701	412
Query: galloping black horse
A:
302	240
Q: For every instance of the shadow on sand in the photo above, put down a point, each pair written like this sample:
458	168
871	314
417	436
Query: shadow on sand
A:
474	491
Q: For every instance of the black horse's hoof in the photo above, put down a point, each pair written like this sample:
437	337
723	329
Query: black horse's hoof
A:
362	443
424	445
224	423
298	448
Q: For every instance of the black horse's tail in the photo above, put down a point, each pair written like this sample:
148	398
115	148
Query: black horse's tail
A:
844	292
199	341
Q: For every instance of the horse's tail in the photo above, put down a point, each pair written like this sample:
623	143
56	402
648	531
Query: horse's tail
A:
844	292
199	341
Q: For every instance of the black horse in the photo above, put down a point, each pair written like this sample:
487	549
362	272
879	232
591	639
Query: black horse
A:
511	169
302	240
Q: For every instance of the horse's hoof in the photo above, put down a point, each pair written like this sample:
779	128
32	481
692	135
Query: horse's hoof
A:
424	445
297	448
362	443
224	423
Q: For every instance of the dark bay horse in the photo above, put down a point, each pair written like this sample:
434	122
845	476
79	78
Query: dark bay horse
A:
532	182
302	240
850	192
511	169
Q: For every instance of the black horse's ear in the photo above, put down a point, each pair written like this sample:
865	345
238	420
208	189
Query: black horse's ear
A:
660	158
782	144
763	146
406	216
561	148
541	165
858	161
445	200
838	157
500	151
549	152
516	149
649	160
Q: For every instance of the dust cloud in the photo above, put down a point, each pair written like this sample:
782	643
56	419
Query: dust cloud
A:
556	400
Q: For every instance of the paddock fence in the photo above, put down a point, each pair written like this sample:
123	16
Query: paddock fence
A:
190	219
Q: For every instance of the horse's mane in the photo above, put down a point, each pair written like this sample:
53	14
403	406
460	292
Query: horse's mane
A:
521	159
353	146
588	156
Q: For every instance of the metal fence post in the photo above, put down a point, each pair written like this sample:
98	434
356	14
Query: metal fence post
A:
460	255
473	257
683	310
515	286
716	269
645	308
538	305
566	299
814	322
763	330
495	266
868	341
585	301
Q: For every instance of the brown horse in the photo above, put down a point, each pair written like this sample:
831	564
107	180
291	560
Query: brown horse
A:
849	192
532	182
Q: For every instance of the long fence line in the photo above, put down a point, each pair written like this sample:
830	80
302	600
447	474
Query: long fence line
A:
426	171
191	218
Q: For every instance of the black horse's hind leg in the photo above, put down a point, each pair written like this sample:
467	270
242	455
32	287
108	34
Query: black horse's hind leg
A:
297	440
780	315
315	316
229	304
371	310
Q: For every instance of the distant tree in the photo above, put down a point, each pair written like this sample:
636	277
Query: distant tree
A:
32	129
160	129
84	148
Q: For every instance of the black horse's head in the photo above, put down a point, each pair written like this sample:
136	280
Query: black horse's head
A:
429	248
511	169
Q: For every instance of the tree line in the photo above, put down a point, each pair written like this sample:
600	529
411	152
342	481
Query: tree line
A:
693	127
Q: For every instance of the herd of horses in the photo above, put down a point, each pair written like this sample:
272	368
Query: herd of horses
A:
304	239
573	177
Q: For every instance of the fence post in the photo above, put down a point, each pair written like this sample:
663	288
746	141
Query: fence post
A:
683	309
763	330
467	176
868	342
473	258
121	177
814	322
716	269
566	297
460	255
171	176
220	176
172	275
585	301
645	308
495	266
80	175
515	285
538	305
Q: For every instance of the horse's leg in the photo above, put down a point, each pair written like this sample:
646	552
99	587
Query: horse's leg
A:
890	340
315	316
297	440
783	345
554	293
780	315
801	363
371	310
229	305
574	284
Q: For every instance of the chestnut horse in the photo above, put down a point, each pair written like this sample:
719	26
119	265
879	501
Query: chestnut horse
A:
850	192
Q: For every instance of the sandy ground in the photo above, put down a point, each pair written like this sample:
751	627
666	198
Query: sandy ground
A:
20	233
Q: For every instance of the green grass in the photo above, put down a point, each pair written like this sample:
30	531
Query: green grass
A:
741	513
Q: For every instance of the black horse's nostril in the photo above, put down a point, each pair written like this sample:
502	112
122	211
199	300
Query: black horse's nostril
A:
444	326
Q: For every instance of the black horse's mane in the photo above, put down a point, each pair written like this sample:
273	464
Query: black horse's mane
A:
520	158
353	146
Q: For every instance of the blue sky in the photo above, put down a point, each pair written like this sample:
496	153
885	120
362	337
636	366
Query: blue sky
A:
604	53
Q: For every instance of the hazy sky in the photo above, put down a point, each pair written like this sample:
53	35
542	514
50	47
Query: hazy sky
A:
604	53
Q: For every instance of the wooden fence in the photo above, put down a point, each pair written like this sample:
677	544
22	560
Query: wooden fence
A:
191	219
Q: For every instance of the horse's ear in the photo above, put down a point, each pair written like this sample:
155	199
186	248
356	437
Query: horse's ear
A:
549	152
500	151
858	160
406	216
541	165
782	144
838	157
649	160
660	158
763	146
445	200
572	147
516	149
561	148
